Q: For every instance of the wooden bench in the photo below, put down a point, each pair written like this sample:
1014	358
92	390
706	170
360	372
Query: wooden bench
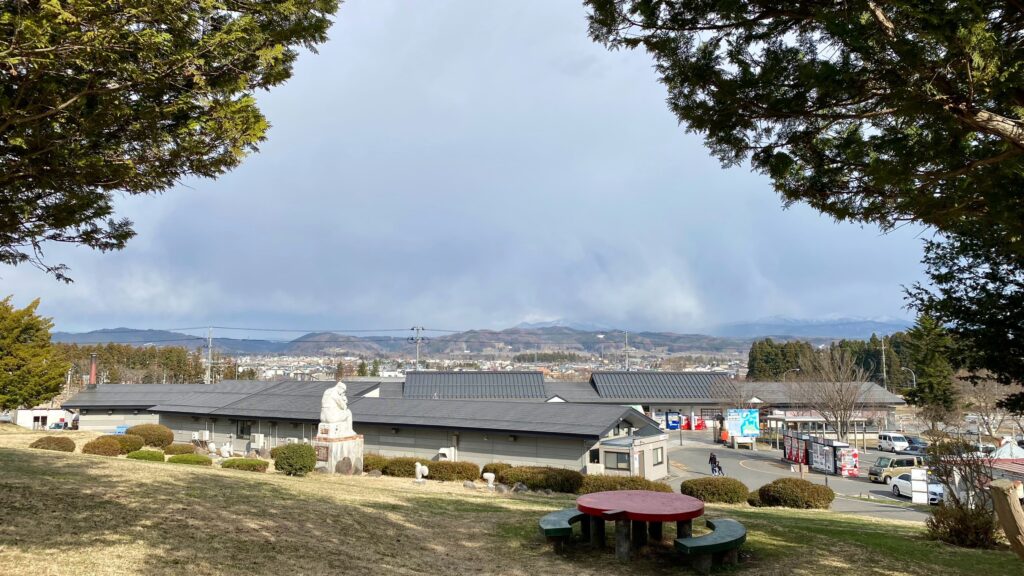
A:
725	540
557	526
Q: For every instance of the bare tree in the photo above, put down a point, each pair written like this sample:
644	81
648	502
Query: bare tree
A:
982	400
834	386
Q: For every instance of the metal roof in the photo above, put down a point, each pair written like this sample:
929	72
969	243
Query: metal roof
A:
659	385
474	385
796	392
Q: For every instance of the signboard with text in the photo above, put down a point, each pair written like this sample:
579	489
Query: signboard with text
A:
743	422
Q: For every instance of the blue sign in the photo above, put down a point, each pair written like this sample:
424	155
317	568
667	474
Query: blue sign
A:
743	422
672	420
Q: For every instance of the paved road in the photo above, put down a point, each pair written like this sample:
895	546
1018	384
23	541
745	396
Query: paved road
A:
690	460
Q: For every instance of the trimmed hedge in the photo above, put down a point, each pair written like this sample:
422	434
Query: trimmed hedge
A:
597	483
275	451
541	478
449	471
194	459
153	434
103	446
754	499
173	449
495	467
404	467
58	443
247	464
296	459
148	455
716	489
796	493
370	461
129	442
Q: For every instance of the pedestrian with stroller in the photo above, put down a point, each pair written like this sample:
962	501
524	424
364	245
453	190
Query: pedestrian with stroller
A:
713	461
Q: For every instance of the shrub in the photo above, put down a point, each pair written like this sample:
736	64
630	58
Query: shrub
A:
58	443
103	446
796	493
717	489
248	464
153	434
296	459
597	483
963	526
275	451
129	442
194	459
370	461
448	471
495	467
173	449
402	467
149	455
754	499
541	478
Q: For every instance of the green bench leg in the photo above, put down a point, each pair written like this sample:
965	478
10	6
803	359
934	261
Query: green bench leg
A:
684	529
585	528
638	531
731	557
557	542
654	531
622	548
701	563
597	535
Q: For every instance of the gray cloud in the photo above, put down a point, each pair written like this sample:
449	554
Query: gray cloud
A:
465	164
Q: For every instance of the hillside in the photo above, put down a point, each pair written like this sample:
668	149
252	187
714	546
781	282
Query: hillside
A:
80	514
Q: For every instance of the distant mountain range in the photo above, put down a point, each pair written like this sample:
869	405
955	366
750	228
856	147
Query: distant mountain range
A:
729	339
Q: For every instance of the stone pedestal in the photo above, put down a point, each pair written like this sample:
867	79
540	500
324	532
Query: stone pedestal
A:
338	454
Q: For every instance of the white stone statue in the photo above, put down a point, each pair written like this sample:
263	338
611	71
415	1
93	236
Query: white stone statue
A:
421	472
225	450
334	411
489	477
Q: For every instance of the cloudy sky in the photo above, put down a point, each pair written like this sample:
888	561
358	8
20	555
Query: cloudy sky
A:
471	164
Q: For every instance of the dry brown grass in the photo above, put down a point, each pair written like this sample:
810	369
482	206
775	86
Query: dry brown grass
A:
12	436
81	514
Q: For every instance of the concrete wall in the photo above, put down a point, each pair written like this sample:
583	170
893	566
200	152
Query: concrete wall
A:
100	421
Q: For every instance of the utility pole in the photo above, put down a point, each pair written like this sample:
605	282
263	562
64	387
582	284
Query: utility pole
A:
885	380
417	339
209	355
627	350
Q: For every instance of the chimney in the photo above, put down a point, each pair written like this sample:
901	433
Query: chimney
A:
92	370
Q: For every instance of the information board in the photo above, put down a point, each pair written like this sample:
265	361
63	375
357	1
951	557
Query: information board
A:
743	422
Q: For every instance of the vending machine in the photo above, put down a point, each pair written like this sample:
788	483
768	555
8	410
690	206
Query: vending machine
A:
795	445
672	421
834	457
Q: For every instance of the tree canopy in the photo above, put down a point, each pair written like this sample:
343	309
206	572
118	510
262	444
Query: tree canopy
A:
30	371
101	96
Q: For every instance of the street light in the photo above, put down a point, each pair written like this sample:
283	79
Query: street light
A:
914	375
788	371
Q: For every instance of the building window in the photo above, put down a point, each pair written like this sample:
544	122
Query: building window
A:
659	456
616	460
244	428
595	456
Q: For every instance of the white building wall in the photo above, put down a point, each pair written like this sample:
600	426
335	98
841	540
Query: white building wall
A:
33	418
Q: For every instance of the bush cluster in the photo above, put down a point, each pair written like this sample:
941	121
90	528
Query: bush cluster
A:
58	443
103	446
129	442
796	493
541	478
148	455
248	464
275	451
449	471
194	459
597	483
754	499
295	459
495	467
173	449
403	467
370	462
153	434
716	489
963	526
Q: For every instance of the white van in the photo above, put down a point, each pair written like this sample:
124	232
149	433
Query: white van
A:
892	442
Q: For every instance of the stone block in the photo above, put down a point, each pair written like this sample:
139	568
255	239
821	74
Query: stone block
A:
469	484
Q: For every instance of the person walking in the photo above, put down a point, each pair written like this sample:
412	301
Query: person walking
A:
713	461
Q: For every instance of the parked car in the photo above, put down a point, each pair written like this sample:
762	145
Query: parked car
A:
921	451
5	418
901	486
892	442
887	468
917	441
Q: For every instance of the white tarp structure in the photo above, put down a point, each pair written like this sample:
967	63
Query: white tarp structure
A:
1009	450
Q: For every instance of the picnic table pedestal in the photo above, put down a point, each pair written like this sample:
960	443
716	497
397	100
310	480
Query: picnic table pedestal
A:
639	515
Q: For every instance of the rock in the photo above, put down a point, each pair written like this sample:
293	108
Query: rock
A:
374	473
548	492
469	484
501	488
344	466
520	487
252	454
264	453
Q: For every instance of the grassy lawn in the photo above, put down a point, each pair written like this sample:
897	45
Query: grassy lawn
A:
81	514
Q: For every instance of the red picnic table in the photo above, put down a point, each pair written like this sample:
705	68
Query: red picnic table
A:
638	514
